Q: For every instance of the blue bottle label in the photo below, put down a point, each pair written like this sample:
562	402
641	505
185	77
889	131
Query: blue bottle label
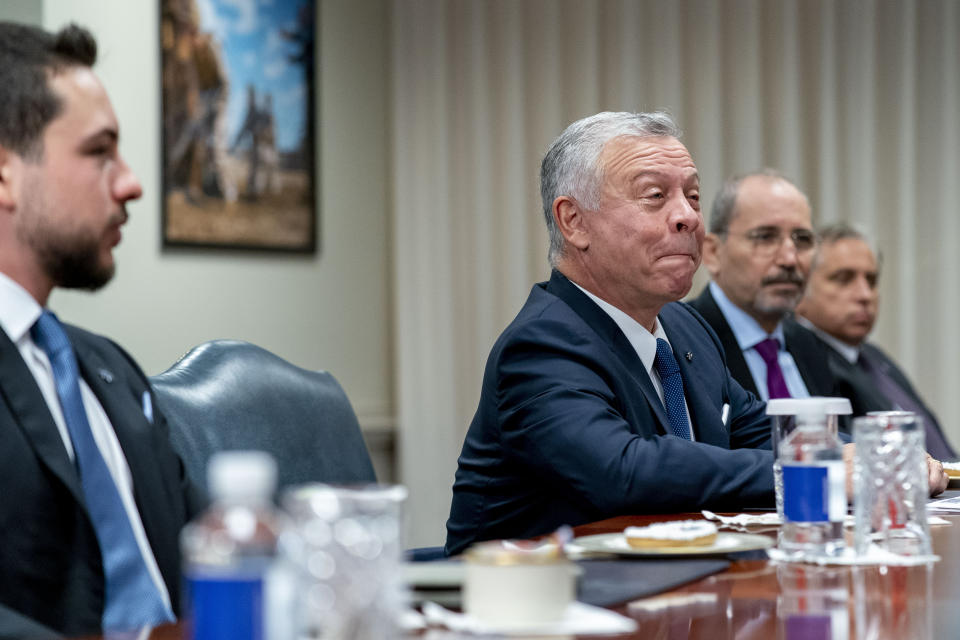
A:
226	607
806	493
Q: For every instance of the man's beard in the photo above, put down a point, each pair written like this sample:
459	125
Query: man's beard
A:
74	263
71	261
776	306
769	304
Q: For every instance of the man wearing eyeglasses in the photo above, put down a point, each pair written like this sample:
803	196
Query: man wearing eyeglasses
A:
758	252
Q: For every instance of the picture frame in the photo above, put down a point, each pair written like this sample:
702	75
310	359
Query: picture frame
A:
238	135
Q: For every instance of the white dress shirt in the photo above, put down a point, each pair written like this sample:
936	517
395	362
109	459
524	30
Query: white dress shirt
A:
18	313
748	334
643	342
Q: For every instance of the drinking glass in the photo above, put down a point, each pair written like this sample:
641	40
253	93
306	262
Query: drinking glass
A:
890	484
345	542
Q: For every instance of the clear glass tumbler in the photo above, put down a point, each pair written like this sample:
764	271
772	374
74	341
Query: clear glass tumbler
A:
890	485
346	543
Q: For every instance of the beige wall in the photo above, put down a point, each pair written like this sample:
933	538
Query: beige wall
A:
327	311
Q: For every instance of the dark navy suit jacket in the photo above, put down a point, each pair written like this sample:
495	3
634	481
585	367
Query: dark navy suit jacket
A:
570	429
855	384
807	350
50	561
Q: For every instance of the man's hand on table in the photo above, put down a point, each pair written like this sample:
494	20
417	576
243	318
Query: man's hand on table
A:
936	476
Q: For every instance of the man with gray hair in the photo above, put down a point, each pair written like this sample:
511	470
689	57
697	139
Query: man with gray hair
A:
840	305
605	396
758	253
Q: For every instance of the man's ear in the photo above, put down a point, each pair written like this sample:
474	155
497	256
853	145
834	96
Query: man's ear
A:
10	163
712	246
569	217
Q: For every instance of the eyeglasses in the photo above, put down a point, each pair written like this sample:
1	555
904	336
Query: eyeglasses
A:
768	240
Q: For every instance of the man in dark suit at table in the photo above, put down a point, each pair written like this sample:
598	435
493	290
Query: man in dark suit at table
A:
840	305
758	253
94	495
605	396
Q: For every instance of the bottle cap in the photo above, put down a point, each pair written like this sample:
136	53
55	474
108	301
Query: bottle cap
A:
233	475
816	405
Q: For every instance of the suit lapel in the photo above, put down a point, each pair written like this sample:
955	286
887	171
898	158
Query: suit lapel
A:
805	350
704	415
120	395
29	408
737	364
861	386
120	404
604	326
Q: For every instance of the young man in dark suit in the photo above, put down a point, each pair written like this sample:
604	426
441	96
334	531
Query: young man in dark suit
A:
605	396
94	494
758	253
840	305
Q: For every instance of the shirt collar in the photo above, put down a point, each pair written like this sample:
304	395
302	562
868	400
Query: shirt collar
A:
642	341
18	309
849	352
746	330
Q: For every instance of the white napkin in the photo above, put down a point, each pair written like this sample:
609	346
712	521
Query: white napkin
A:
945	504
875	556
743	521
578	618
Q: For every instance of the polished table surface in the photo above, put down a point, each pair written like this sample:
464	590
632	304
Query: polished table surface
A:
757	599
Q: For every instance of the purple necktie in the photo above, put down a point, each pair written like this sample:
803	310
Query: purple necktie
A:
776	385
899	398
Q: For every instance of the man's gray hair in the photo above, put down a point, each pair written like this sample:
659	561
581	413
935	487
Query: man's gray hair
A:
572	168
835	232
722	211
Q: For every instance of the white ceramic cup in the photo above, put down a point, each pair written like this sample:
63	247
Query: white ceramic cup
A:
509	587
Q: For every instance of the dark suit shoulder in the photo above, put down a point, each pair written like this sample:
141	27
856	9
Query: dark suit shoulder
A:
104	347
687	312
796	334
874	351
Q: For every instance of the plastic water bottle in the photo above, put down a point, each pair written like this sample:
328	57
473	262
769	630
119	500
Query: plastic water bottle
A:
783	412
236	585
814	488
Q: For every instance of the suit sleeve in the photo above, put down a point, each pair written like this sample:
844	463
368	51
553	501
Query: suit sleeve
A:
561	415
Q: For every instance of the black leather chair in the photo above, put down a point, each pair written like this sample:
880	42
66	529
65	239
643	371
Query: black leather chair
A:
228	394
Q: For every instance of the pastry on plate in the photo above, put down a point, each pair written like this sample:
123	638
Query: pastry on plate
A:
679	533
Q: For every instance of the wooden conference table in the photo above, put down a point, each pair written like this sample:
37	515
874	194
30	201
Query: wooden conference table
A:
757	600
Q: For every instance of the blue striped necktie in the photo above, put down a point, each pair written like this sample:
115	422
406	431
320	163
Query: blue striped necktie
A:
676	406
132	598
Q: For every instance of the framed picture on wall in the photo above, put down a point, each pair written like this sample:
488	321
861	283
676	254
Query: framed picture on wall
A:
238	107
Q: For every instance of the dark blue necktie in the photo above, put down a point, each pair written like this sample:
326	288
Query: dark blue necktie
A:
669	371
132	598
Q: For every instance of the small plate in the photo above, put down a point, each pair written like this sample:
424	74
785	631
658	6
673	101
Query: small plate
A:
724	544
441	574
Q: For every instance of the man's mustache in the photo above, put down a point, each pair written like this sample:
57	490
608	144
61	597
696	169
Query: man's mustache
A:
784	277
